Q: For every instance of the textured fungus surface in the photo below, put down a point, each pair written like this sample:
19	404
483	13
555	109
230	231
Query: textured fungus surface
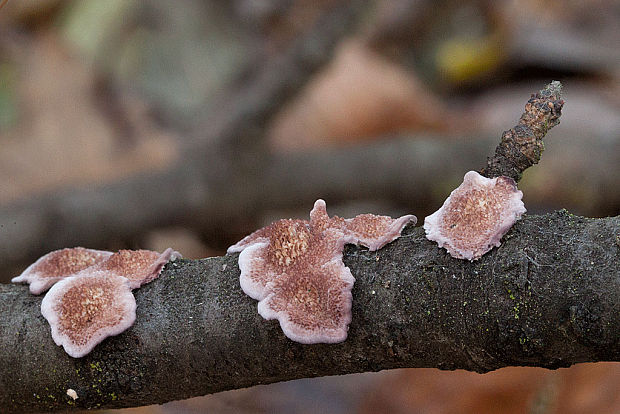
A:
295	269
83	310
373	231
138	266
316	302
475	216
92	299
57	265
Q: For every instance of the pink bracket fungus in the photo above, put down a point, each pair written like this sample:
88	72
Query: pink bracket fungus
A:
85	309
373	231
294	269
475	216
57	265
92	299
138	266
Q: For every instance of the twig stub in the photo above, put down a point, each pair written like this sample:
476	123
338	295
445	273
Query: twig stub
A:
522	146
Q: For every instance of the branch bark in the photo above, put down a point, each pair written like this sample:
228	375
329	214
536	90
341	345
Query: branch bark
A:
522	146
547	297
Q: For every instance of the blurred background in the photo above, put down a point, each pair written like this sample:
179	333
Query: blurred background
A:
189	124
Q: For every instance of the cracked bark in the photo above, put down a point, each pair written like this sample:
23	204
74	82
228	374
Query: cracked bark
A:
548	297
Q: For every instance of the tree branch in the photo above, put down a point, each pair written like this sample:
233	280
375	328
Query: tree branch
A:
547	297
522	146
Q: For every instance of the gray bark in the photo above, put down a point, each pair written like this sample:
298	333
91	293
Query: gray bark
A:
549	296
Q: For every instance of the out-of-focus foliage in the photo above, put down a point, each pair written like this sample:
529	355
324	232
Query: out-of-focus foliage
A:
460	60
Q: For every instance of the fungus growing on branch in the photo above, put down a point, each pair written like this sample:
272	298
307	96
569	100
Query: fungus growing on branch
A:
85	309
373	231
92	299
294	269
138	266
312	307
475	216
71	393
57	265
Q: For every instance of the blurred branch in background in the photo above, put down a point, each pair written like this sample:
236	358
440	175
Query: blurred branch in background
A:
207	170
208	199
204	191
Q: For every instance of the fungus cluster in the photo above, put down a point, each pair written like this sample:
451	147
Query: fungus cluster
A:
294	269
475	216
90	292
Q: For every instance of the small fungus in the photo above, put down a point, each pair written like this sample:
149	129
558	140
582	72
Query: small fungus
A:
90	296
475	216
57	265
138	266
373	231
71	393
85	309
294	269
